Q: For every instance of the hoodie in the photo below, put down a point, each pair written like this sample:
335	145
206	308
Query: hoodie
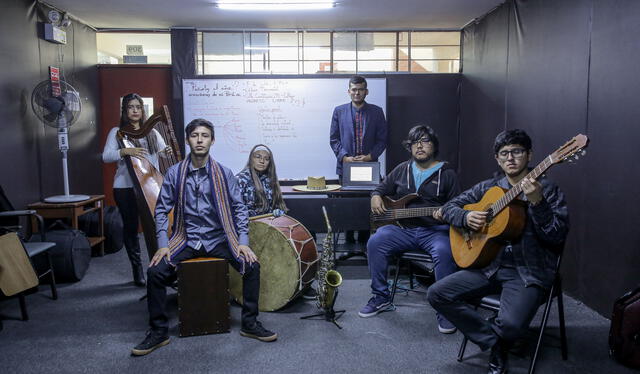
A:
435	191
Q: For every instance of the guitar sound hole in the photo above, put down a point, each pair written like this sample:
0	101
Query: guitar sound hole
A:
489	216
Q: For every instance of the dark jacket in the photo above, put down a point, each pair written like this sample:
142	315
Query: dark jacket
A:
341	135
436	190
535	252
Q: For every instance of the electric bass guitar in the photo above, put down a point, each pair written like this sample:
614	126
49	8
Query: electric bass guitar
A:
396	210
507	216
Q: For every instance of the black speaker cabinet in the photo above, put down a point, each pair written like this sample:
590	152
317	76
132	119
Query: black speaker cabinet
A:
203	296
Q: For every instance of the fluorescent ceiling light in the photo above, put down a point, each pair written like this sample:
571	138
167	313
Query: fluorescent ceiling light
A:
275	4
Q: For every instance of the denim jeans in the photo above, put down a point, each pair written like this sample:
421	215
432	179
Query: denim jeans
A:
390	241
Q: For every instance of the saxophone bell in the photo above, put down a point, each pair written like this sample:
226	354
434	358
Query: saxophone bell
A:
333	280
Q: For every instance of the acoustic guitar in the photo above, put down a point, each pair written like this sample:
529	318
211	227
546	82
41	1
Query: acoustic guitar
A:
396	210
507	216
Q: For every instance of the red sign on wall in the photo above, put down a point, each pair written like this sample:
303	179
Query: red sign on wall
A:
54	77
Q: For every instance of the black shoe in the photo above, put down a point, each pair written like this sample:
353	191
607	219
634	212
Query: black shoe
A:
258	332
153	340
363	237
349	237
499	358
138	276
310	294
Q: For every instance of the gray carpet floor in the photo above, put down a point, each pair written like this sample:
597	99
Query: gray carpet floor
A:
95	323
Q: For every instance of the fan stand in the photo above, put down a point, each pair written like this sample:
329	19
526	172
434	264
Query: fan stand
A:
63	144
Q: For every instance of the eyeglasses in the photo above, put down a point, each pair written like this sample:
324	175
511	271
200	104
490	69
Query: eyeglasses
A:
516	153
265	158
136	107
422	141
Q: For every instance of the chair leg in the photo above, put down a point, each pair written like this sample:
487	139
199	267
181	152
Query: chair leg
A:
23	307
463	347
410	274
54	290
543	325
563	332
394	285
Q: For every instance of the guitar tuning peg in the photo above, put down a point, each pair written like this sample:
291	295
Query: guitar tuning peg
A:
576	157
584	152
570	160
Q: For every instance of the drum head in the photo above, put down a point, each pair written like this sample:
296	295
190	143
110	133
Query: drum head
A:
280	266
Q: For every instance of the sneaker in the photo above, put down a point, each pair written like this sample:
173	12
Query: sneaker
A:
257	331
447	330
310	294
376	304
153	341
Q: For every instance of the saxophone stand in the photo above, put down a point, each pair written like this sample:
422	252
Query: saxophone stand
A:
329	314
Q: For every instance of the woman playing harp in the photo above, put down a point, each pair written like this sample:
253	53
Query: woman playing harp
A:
149	148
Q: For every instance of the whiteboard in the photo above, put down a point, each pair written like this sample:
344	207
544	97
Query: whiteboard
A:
292	116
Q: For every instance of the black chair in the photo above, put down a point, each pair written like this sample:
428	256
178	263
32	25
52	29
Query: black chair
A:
412	258
10	222
492	303
34	249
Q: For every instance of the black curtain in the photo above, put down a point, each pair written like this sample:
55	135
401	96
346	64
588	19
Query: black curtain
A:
183	66
555	69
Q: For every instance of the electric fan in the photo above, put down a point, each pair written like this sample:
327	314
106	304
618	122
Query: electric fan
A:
58	106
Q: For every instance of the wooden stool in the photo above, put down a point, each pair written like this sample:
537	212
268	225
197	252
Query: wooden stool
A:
203	296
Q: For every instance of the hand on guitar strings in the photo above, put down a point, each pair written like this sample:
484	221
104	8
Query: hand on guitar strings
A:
377	206
533	189
247	254
160	253
438	215
134	152
476	219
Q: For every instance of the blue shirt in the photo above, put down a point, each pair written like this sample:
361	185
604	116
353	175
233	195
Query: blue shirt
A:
202	224
420	176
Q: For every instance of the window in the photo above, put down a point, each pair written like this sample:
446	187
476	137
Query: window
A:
136	48
318	52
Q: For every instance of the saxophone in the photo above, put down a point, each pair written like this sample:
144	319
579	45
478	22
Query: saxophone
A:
327	279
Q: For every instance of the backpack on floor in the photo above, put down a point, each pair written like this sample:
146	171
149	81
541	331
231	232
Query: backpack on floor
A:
114	236
624	335
70	257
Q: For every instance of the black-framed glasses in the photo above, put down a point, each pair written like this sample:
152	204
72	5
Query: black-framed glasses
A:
516	153
422	141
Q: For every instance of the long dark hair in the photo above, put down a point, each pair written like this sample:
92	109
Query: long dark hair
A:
152	143
262	203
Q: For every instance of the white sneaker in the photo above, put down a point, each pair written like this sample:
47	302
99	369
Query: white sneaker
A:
447	330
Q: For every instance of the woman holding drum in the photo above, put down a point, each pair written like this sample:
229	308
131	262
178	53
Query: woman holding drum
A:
286	249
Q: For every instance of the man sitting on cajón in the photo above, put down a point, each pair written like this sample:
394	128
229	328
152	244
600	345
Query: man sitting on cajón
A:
210	220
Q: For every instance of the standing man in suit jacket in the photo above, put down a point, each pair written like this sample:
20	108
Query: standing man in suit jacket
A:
358	131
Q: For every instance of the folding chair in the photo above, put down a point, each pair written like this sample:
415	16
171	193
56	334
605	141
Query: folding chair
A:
410	257
492	303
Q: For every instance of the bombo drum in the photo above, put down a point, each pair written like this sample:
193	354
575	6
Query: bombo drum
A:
288	261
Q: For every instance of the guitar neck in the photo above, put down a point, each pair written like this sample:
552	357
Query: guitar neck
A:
517	189
395	214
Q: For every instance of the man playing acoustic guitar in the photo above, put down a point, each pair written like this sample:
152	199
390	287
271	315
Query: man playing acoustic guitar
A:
435	183
522	271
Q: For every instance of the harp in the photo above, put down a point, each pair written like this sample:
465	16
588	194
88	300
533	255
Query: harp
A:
147	180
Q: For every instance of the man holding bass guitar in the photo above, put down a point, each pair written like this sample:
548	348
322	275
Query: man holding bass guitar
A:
523	270
425	184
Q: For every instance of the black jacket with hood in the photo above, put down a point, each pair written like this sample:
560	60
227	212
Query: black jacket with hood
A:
435	191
